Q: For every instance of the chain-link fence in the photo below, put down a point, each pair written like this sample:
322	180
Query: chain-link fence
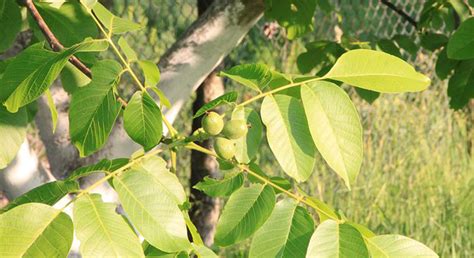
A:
361	19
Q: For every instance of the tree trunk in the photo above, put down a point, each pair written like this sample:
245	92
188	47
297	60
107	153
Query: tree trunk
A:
205	209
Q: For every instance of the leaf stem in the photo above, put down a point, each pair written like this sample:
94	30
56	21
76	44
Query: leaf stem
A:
108	37
261	95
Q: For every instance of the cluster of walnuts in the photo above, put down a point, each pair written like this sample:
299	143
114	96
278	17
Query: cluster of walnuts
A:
224	146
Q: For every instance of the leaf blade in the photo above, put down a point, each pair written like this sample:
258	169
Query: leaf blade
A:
335	128
377	71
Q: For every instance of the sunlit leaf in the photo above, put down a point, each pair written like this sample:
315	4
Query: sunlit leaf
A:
150	72
334	240
12	134
335	127
377	71
285	234
396	246
288	135
127	50
152	210
30	229
248	146
115	24
102	231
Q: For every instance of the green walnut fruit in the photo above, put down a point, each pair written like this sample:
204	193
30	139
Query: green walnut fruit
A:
235	129
224	148
213	123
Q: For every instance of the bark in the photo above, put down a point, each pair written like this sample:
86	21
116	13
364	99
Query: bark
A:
183	68
205	209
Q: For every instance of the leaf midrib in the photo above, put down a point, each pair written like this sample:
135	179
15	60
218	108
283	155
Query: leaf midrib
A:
103	225
333	134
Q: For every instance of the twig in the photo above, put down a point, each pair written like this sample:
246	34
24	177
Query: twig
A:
400	12
52	40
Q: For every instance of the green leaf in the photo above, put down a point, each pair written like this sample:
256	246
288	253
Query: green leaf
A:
114	24
127	50
288	135
142	120
389	47
72	78
102	166
29	79
153	252
224	187
71	23
433	41
161	95
445	65
324	211
248	146
150	72
368	95
461	43
10	22
377	71
168	181
334	240
152	210
406	43
102	231
52	109
229	97
296	16
396	246
49	193
254	76
335	127
94	109
35	230
12	134
285	234
89	3
203	252
245	212
460	88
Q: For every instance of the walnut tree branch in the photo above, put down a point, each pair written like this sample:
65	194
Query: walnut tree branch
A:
400	12
52	40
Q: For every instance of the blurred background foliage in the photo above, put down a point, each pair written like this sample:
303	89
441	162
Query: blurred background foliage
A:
417	178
